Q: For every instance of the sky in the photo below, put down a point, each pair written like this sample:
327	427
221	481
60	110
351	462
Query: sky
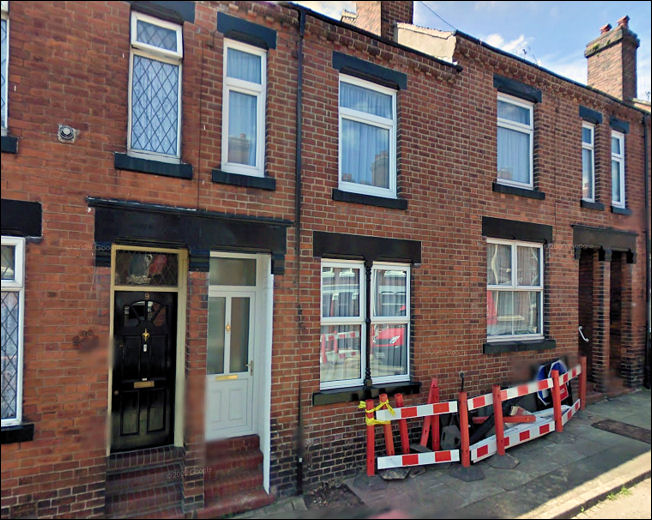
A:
551	34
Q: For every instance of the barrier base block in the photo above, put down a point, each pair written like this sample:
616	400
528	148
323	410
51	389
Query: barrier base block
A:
363	481
419	448
467	474
394	473
506	461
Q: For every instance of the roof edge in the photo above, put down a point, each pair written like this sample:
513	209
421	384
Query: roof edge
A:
477	41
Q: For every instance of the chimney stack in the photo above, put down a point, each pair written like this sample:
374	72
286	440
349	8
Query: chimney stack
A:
380	18
612	60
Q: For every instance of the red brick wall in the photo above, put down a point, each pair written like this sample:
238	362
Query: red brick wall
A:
446	163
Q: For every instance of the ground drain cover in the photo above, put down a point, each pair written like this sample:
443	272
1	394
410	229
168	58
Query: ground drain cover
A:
621	428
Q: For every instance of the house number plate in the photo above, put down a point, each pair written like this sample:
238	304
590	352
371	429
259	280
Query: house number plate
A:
143	384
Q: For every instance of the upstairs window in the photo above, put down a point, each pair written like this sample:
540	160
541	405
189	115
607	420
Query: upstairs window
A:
4	88
514	290
367	154
588	162
618	169
13	304
514	142
155	89
243	114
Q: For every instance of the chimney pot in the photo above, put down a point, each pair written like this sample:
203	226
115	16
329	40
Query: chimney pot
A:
605	28
624	21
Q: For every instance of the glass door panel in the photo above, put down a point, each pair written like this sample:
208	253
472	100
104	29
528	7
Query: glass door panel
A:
239	344
216	335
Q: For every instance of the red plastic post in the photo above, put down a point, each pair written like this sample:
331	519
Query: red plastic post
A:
435	422
371	441
583	383
427	421
556	401
498	420
463	411
389	440
402	427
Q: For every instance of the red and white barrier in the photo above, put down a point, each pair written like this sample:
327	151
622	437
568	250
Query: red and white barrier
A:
418	459
422	410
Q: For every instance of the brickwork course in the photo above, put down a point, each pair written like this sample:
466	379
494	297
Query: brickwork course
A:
69	64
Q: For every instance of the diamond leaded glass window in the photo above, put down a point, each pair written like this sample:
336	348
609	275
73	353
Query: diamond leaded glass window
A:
11	329
155	86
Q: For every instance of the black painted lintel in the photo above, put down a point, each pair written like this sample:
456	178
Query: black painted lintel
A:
369	200
621	211
592	205
123	161
9	144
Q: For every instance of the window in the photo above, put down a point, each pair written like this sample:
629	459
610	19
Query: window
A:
243	116
588	162
343	339
4	88
515	130
367	155
155	89
514	290
13	292
618	169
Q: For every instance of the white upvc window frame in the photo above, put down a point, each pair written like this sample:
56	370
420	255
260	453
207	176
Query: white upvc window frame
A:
397	320
518	127
5	115
591	148
252	89
514	287
373	120
17	285
620	158
158	54
349	320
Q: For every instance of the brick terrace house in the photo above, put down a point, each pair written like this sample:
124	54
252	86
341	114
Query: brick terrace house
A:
225	223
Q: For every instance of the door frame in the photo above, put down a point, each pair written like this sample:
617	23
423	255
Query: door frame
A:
262	379
180	368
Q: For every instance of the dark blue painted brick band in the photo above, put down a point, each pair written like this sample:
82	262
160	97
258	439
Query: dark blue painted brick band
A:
369	71
619	125
247	32
9	144
20	433
122	161
369	200
177	12
516	88
592	205
592	116
515	190
21	218
516	230
246	181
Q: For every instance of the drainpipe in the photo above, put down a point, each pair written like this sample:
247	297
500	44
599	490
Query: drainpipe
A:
648	289
297	238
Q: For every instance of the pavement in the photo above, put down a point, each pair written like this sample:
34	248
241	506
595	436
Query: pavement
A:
634	502
557	476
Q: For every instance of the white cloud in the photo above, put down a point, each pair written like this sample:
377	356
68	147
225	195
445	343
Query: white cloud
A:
519	46
332	9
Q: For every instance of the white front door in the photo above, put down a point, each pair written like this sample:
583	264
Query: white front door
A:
230	383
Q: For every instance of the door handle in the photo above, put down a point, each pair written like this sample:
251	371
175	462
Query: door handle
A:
250	366
586	340
228	327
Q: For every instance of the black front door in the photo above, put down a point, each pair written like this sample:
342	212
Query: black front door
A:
144	369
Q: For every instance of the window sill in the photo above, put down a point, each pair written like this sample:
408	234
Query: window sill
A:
122	161
360	393
592	205
19	433
9	144
498	347
247	181
621	211
369	200
523	192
